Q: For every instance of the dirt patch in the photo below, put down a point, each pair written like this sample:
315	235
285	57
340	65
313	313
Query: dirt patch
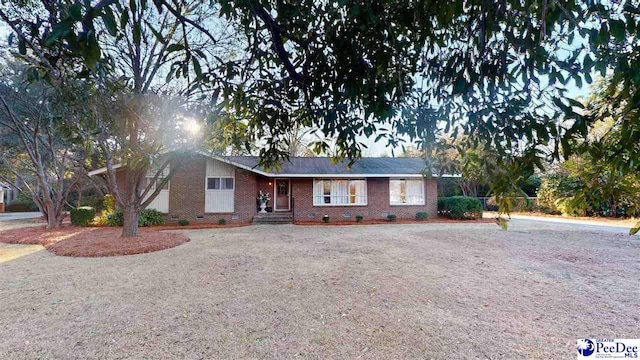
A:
438	220
92	242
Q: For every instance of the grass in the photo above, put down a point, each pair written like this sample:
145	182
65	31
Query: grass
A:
425	290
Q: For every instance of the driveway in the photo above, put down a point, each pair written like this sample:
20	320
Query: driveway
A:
19	216
587	225
432	291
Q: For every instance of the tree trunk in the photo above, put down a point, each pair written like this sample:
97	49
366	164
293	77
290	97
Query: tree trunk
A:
130	222
52	220
613	208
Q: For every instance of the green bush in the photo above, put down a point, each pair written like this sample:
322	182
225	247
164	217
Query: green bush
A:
183	222
421	215
222	222
21	205
392	217
359	218
93	201
83	215
460	207
325	218
148	217
116	218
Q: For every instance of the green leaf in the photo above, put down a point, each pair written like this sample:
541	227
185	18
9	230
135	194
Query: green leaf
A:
22	46
617	30
33	74
60	30
175	47
155	32
124	19
109	21
75	11
502	222
136	33
635	229
196	67
170	74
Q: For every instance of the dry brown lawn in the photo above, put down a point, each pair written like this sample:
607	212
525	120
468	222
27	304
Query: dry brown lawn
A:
432	291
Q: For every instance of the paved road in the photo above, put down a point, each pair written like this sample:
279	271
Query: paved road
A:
584	224
19	216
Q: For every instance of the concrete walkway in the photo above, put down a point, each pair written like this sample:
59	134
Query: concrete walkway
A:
593	225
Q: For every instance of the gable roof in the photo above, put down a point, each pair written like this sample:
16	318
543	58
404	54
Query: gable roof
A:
323	166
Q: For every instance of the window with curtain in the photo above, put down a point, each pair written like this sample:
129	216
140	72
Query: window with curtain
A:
406	192
339	192
219	183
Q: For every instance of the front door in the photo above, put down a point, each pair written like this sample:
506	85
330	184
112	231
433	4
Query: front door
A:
283	194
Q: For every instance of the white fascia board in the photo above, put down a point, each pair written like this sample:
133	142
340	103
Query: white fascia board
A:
103	170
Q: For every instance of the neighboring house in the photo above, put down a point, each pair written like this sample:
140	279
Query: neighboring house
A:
209	188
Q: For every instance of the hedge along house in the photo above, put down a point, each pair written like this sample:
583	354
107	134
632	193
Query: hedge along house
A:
209	188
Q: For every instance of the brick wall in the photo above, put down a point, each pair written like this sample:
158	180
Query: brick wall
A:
187	191
1	207
377	202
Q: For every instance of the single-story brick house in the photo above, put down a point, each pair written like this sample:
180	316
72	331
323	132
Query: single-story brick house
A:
209	188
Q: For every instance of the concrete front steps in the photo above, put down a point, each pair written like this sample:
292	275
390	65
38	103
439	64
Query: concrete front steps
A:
273	218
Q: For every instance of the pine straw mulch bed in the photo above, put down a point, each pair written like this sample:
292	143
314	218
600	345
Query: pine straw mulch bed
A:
398	221
93	241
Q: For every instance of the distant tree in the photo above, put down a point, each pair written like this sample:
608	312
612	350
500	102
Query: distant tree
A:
37	157
589	184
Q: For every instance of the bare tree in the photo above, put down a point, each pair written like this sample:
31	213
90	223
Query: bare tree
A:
42	165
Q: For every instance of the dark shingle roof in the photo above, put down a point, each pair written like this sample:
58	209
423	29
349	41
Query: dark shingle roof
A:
324	166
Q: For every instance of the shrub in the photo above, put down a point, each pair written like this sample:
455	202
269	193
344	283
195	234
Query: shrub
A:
83	215
392	217
93	201
108	204
359	218
460	207
21	205
116	218
148	217
222	222
421	215
183	222
325	218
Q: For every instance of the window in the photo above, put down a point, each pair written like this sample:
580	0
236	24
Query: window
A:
406	192
339	192
216	183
